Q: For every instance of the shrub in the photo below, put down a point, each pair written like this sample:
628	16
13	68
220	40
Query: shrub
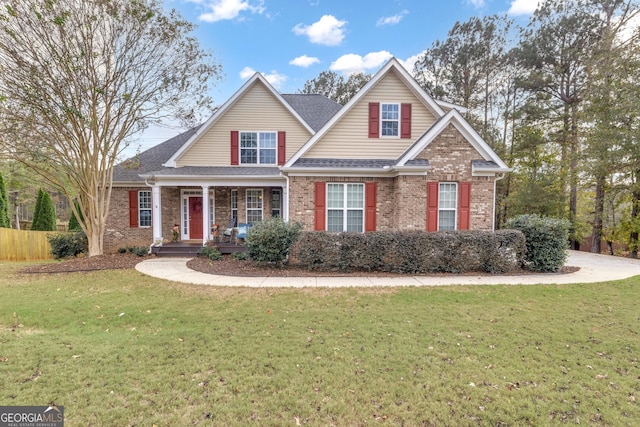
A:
138	250
546	241
65	245
412	252
270	241
240	256
210	252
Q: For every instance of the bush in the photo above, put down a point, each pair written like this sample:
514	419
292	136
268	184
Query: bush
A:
65	245
411	252
138	250
546	240
210	252
270	241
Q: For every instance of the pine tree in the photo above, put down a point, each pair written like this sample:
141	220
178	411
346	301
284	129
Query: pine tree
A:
36	211
74	224
5	222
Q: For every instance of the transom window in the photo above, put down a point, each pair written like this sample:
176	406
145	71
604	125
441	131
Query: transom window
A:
258	148
254	206
447	206
345	207
390	119
144	208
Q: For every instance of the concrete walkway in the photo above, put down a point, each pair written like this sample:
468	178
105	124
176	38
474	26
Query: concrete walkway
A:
593	268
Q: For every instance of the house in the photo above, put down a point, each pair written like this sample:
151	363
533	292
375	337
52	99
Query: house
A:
392	158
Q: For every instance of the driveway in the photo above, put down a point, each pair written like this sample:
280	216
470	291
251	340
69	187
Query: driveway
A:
593	268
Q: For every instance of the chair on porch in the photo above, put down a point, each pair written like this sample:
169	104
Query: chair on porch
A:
228	232
242	231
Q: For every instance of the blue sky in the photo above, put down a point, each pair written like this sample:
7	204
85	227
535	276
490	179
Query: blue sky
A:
292	41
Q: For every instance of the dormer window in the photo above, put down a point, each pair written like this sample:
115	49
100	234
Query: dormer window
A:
389	119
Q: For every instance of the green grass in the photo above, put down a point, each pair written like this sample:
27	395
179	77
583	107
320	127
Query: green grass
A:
122	349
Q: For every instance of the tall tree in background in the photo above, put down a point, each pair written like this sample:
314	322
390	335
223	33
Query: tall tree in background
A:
465	68
611	101
86	75
555	50
335	87
5	222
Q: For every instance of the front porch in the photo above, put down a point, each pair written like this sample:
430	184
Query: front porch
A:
189	249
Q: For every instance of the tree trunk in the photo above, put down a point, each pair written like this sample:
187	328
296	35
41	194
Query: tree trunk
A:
573	177
95	243
598	212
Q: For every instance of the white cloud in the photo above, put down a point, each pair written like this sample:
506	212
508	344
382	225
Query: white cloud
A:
228	9
304	61
353	64
523	7
328	31
391	20
478	4
410	62
274	78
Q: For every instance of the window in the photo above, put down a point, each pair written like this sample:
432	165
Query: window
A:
234	207
276	203
447	206
144	208
254	206
390	119
258	148
345	207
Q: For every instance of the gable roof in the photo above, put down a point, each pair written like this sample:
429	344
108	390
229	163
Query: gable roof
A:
256	79
150	160
491	161
391	65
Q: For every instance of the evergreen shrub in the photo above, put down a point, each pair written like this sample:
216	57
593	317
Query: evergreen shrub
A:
270	241
66	245
546	240
411	252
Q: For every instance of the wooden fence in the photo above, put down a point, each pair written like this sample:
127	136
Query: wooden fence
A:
23	245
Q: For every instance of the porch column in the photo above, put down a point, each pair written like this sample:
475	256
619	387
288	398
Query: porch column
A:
206	229
156	214
285	202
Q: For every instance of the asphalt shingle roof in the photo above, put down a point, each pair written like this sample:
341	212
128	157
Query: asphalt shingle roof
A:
344	163
151	159
314	109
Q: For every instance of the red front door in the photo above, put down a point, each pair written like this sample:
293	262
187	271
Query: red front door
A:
195	217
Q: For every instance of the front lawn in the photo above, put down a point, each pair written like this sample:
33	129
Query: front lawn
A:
117	348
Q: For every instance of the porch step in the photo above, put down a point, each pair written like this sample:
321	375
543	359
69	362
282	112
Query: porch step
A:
189	250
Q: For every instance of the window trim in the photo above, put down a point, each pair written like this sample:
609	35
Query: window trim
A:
345	206
258	148
397	121
247	208
145	209
454	209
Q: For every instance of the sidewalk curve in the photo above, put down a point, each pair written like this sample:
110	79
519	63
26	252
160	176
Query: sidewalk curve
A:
593	268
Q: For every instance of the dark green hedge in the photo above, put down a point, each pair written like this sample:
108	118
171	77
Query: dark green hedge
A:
411	252
546	238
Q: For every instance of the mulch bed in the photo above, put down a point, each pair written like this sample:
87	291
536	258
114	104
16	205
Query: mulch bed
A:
226	266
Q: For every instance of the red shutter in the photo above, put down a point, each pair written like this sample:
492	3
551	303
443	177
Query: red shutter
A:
464	206
133	208
405	121
370	189
320	208
433	190
235	150
282	148
374	120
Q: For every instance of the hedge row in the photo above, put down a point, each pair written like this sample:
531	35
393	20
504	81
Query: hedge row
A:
411	251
